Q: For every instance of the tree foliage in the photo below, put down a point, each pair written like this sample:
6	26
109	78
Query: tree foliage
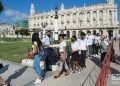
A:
1	7
24	31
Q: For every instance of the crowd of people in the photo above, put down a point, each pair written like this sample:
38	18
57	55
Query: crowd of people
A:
86	46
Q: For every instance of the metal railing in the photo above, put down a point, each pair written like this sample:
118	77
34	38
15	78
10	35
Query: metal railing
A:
105	70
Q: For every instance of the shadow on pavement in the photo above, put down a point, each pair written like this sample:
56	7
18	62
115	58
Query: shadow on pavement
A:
96	61
16	74
5	68
117	59
114	71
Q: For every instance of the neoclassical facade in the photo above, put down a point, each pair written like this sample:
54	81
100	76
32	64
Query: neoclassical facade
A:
7	30
100	18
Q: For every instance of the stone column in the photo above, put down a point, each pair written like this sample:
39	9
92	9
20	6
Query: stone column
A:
107	18
71	19
59	21
77	32
116	16
71	33
113	22
104	17
65	19
77	18
85	19
91	18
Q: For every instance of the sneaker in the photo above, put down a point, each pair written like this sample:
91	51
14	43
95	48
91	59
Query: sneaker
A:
79	71
5	85
37	81
96	55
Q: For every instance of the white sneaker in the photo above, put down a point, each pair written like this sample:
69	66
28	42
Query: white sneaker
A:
96	55
37	81
79	71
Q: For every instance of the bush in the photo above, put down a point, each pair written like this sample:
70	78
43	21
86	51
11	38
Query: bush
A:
14	39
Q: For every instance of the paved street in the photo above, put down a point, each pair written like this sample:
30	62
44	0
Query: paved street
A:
19	75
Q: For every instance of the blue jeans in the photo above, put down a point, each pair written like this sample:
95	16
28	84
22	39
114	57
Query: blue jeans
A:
36	65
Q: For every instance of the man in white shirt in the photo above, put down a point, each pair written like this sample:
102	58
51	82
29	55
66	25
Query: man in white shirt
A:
90	43
83	49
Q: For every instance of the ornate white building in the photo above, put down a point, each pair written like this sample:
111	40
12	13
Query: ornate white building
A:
7	30
100	18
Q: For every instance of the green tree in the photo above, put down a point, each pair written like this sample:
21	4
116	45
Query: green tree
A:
24	32
17	32
1	7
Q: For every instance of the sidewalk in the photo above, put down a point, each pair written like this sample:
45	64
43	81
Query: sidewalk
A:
19	75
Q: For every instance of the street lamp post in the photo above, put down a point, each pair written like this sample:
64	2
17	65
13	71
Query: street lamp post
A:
56	26
44	24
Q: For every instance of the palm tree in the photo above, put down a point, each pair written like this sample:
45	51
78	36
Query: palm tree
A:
1	7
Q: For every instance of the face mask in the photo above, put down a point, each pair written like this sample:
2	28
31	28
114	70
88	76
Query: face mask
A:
82	38
49	35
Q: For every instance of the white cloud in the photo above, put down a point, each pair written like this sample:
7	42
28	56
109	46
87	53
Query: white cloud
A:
15	14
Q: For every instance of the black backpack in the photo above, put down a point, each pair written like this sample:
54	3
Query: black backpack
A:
1	65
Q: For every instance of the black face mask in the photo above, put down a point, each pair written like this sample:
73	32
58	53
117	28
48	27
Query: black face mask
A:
82	38
49	35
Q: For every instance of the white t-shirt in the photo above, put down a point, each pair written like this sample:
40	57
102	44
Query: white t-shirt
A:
90	39
83	44
61	46
74	46
98	39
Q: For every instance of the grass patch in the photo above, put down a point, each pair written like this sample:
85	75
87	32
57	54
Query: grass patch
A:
14	51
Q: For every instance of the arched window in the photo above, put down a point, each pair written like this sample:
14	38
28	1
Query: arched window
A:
74	18
101	17
68	18
62	32
74	33
88	18
68	34
79	33
101	14
81	15
94	32
110	34
94	14
62	19
88	15
110	17
101	32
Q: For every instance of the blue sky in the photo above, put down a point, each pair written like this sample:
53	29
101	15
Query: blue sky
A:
19	9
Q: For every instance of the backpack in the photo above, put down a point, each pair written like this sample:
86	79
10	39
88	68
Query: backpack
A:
1	65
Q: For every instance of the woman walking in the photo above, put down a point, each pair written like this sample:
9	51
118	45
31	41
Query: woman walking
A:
36	47
63	56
